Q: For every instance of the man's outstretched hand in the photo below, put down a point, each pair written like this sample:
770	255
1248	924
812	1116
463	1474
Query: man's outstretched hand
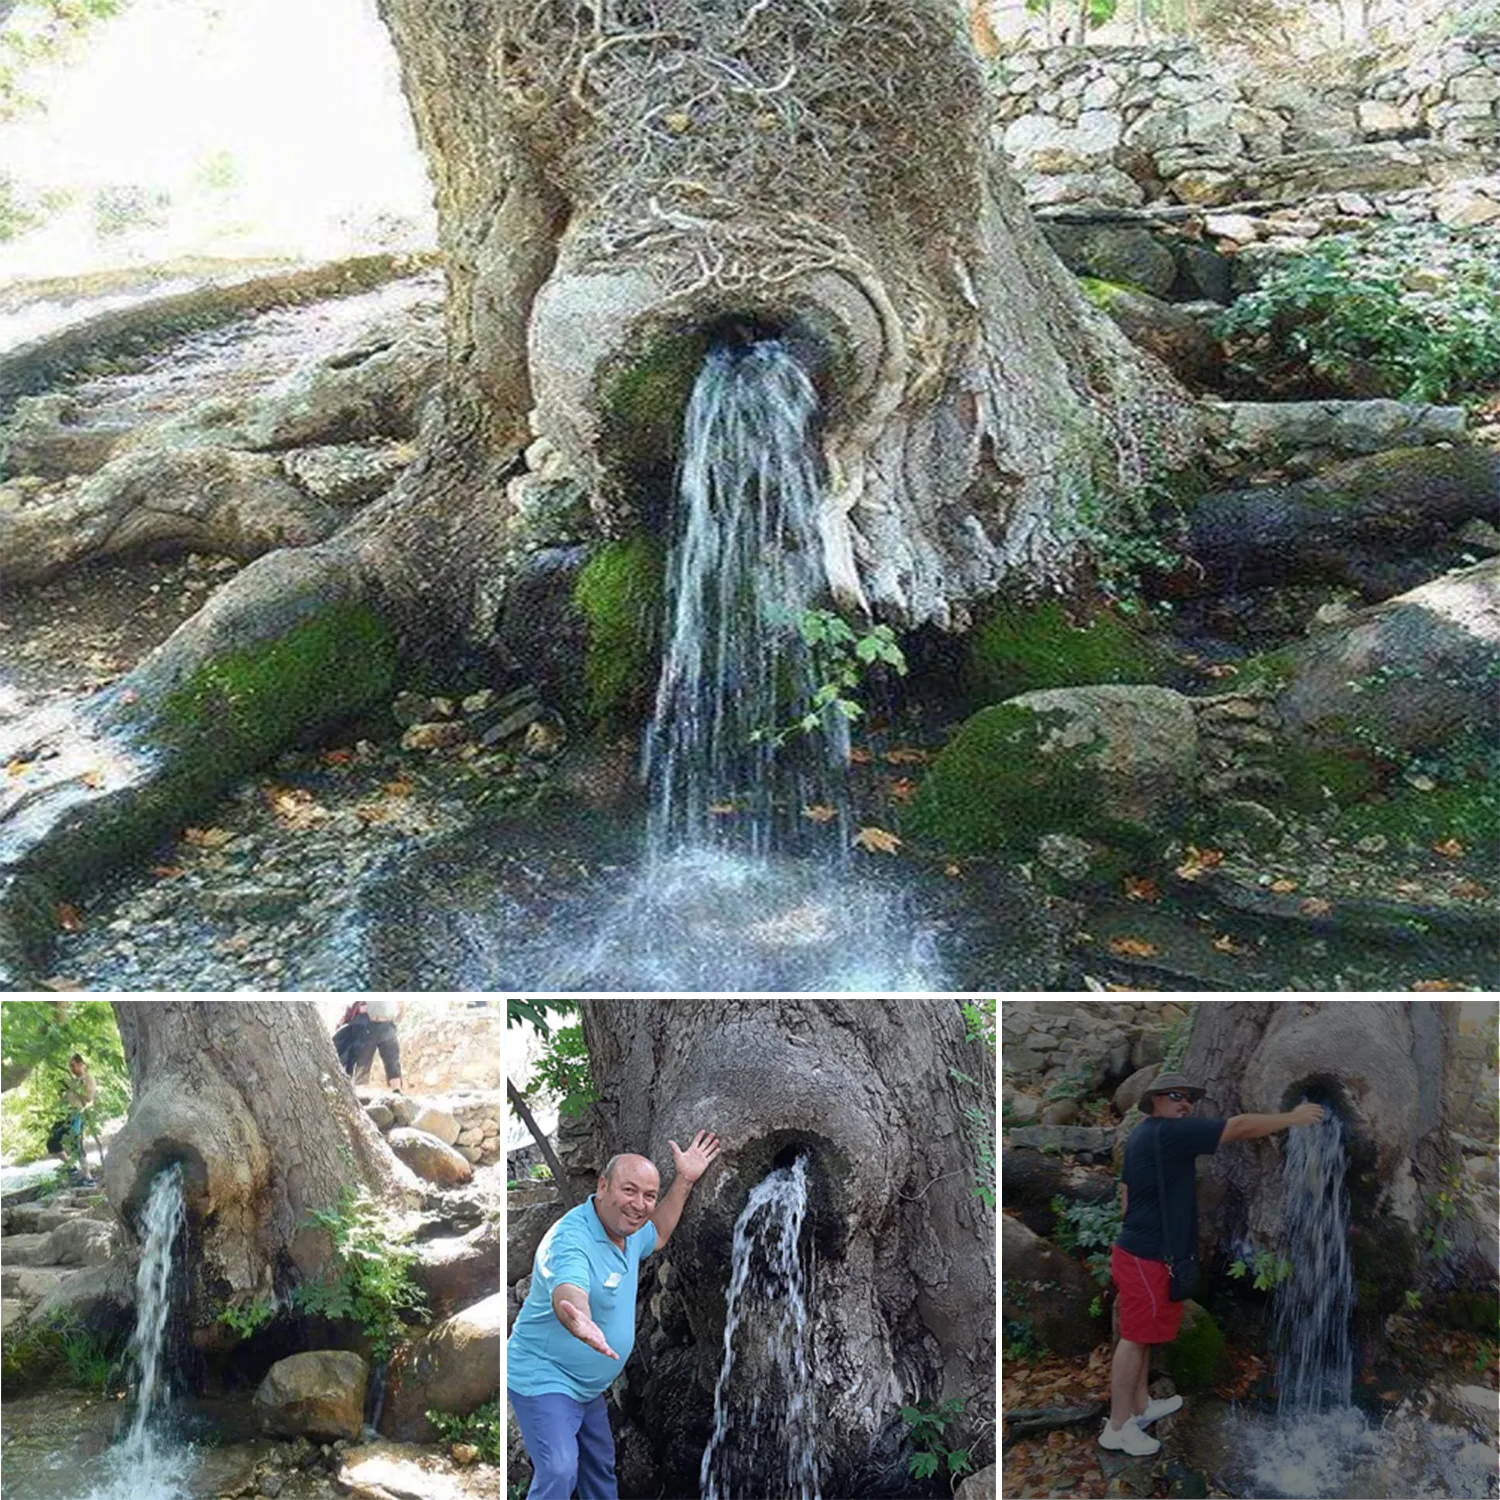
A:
581	1326
693	1163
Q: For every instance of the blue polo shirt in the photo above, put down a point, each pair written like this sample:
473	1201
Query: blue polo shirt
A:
542	1357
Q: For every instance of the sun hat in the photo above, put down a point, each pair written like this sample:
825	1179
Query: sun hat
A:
1164	1083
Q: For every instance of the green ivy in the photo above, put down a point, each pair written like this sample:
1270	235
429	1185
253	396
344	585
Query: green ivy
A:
929	1428
371	1284
1088	1226
484	1428
1420	303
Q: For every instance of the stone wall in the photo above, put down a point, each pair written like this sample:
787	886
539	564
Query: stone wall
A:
450	1047
476	1135
1127	126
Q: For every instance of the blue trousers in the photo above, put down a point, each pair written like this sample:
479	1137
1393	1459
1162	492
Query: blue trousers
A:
569	1443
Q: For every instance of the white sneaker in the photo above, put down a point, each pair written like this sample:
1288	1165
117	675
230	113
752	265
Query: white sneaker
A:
1128	1439
1164	1407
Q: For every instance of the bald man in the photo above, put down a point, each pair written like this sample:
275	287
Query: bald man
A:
577	1326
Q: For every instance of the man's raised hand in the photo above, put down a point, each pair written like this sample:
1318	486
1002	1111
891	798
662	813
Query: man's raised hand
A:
693	1163
1307	1114
581	1326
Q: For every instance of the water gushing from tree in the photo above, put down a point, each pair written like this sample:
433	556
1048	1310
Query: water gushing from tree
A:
143	1465
765	1422
1313	1306
745	569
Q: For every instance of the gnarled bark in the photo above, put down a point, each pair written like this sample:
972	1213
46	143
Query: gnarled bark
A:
251	1100
902	1296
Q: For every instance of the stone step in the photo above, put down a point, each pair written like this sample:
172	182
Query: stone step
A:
37	1218
31	1283
24	1250
11	1308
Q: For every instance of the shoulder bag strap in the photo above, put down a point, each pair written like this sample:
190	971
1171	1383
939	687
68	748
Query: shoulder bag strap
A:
1161	1195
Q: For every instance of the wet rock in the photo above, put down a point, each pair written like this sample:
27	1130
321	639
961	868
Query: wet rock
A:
393	1471
454	1368
429	1157
321	1394
456	1273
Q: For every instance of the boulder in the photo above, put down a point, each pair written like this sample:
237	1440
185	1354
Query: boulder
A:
429	1157
1115	763
436	1122
82	1242
454	1368
1295	435
1128	1095
1412	674
26	1249
456	1273
321	1394
1081	1140
1125	257
1046	1289
31	1284
528	1223
1032	1181
380	1117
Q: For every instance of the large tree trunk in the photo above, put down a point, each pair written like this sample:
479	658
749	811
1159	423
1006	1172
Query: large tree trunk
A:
901	1303
249	1097
614	194
1383	1065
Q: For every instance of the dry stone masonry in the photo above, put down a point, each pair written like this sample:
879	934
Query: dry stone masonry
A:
464	1123
1125	127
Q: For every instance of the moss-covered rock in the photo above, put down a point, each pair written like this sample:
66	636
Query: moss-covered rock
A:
1192	1358
1113	763
1020	648
619	594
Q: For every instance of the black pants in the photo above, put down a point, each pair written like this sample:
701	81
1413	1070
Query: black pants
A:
382	1037
348	1040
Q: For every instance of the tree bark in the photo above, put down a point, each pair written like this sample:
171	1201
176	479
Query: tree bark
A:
901	1302
611	201
249	1097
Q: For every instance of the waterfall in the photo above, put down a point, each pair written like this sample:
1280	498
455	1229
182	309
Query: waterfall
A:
765	1421
141	1466
745	568
1313	1306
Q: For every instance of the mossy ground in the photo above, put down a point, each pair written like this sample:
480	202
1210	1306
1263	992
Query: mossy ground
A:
619	592
1019	648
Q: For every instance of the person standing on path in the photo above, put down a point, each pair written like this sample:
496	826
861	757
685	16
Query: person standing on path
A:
1152	1231
577	1326
79	1096
381	1036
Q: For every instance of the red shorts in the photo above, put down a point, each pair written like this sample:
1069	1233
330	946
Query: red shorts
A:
1147	1314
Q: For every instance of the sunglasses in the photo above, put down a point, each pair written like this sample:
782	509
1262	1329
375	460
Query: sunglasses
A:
1179	1098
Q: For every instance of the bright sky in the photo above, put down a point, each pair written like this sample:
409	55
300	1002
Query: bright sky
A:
296	104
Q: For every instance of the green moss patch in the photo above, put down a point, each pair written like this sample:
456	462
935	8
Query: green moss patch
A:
1019	648
619	592
1469	812
1004	780
1311	778
1193	1356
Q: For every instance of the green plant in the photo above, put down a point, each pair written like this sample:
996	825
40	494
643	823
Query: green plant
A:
1419	303
929	1430
564	1072
536	1012
1486	1355
245	1319
981	1130
979	1021
1070	1086
1096	1307
1413	1300
541	1171
1021	1341
1270	1271
1088	1226
1441	1207
484	1428
89	1360
372	1260
841	659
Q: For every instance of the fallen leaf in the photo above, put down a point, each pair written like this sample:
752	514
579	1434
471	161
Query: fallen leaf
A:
953	871
294	807
876	841
18	767
93	779
1314	906
1283	886
820	812
1222	669
722	809
903	790
1142	888
1390	1395
1449	848
906	757
1427	986
1223	943
337	757
206	838
166	872
1129	947
1469	890
69	918
859	757
1197	861
400	788
57	982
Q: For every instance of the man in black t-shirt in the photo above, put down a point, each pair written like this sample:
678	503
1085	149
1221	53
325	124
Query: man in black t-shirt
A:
1138	1260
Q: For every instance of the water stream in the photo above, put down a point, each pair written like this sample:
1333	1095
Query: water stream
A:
146	1463
765	1421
